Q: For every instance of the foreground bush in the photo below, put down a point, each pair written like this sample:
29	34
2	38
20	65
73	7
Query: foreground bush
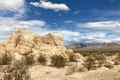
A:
5	59
58	61
95	61
29	60
42	59
13	72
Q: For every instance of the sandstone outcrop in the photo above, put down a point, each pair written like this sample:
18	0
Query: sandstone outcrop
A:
23	42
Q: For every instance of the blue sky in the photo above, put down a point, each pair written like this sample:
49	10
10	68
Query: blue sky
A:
79	20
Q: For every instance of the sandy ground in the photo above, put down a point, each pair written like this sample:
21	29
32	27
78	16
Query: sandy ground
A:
49	73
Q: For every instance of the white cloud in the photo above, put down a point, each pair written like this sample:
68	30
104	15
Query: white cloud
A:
65	32
102	40
102	25
8	25
94	35
91	37
51	6
100	31
12	5
100	37
70	33
32	23
15	7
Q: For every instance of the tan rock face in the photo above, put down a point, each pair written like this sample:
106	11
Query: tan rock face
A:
20	41
24	42
57	38
2	49
24	50
54	39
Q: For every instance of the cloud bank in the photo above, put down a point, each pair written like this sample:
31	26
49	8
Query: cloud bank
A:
12	5
9	25
40	27
102	25
12	8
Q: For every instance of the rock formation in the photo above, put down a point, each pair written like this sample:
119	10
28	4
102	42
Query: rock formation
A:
23	42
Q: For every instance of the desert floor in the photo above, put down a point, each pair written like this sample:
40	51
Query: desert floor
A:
49	73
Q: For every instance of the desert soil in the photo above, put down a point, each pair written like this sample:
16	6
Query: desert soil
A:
49	73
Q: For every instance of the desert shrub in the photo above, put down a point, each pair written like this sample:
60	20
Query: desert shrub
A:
58	61
13	72
94	61
117	59
18	64
5	59
75	67
101	59
90	62
42	59
29	60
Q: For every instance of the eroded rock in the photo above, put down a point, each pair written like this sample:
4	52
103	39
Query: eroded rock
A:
24	42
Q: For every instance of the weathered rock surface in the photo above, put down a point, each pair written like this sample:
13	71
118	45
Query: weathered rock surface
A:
55	39
23	42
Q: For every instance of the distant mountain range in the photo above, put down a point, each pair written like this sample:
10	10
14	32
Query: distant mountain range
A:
95	46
